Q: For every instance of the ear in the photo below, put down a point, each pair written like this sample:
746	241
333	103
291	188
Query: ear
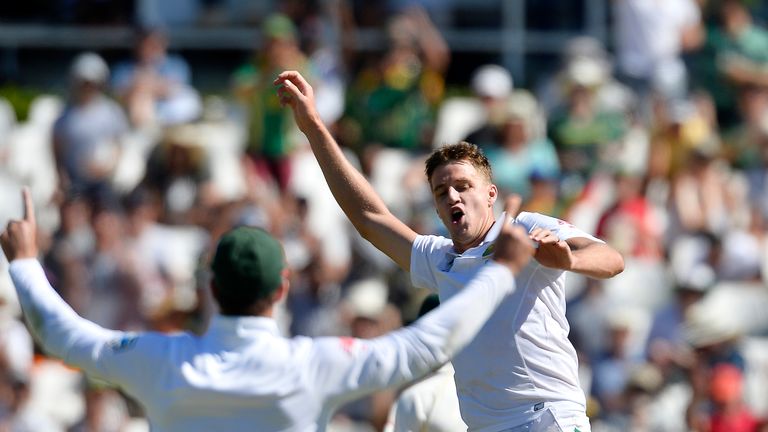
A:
493	194
214	291
282	290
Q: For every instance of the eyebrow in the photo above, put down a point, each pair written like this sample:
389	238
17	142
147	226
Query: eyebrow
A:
458	181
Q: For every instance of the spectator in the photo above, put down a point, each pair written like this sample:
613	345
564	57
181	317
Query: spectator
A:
86	137
521	150
735	55
16	413
714	338
667	347
113	295
613	367
179	174
155	86
492	85
392	99
633	225
582	129
650	39
271	136
743	144
729	413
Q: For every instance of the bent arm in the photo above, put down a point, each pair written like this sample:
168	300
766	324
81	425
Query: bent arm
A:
595	259
412	352
565	247
355	195
56	326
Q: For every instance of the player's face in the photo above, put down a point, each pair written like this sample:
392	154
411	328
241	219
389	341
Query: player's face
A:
464	201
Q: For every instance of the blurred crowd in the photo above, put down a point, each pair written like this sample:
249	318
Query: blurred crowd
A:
659	146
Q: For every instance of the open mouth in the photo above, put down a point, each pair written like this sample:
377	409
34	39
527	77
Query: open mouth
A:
456	216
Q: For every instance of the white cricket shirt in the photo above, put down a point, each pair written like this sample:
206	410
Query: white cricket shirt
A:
429	405
522	356
241	375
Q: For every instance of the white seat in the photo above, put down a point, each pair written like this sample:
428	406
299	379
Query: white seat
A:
456	118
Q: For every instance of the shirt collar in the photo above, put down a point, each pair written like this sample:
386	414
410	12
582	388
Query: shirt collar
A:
241	327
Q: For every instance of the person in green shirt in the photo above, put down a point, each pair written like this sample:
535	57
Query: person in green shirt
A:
270	126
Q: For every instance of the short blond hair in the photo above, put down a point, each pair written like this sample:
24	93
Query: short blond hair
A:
461	151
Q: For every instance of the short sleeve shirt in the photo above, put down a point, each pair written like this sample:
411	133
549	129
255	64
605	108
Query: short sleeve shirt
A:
522	356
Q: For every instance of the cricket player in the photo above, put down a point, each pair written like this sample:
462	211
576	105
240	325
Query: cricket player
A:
521	370
242	375
430	404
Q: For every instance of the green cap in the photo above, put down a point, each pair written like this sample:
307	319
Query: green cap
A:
279	26
248	264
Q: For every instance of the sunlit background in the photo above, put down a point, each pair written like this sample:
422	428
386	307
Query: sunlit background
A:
146	128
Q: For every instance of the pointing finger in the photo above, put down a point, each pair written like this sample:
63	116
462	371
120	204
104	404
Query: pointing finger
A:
29	208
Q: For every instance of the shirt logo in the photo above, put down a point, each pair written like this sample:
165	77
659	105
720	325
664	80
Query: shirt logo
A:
489	250
347	344
124	343
562	222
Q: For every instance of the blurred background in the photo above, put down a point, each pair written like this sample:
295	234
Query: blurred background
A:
146	128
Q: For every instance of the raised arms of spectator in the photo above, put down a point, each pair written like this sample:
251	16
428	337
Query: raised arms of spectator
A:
434	49
355	195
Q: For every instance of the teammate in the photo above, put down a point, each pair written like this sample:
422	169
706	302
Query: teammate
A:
429	404
241	375
521	369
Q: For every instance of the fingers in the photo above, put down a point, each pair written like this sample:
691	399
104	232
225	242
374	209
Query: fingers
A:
29	208
285	96
295	79
512	206
290	88
544	236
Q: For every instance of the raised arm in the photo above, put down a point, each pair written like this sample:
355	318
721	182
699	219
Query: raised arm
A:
411	352
56	326
356	197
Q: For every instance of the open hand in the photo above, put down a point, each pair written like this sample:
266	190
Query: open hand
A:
513	246
19	238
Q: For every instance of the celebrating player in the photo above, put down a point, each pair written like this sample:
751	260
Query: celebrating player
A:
521	369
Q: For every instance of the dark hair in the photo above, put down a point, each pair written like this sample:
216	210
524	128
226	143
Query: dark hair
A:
461	151
240	304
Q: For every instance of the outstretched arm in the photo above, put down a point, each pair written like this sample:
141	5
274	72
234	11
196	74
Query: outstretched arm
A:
409	353
57	327
355	195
